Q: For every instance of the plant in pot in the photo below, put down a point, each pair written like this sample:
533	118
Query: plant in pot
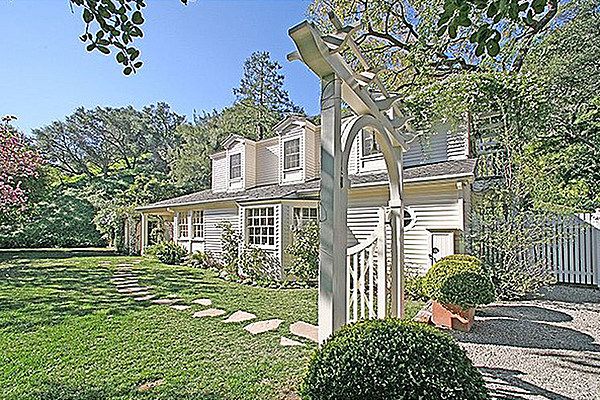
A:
457	284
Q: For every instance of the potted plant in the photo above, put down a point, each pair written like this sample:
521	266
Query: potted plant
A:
457	284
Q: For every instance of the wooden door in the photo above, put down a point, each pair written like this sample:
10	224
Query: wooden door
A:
442	245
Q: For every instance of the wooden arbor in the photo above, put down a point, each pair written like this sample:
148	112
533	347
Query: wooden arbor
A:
377	112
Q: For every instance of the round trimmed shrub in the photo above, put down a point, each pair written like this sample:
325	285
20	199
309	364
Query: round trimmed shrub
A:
392	360
459	279
169	253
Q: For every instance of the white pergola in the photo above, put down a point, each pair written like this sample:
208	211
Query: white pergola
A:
374	109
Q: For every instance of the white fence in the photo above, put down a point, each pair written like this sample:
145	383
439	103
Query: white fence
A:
574	253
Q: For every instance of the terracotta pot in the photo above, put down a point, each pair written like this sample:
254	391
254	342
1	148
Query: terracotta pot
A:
452	316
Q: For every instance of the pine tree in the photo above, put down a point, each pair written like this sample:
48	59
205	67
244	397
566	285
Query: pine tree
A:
261	89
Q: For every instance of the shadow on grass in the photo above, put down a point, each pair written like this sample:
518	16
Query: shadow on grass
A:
34	254
508	384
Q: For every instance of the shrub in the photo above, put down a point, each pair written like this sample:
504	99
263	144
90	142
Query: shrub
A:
392	359
169	253
258	266
200	259
304	253
413	287
459	280
230	239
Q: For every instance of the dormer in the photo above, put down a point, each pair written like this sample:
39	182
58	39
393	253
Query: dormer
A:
234	168
299	150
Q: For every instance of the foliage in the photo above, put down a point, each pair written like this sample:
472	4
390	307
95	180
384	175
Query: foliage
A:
230	242
392	359
256	265
413	287
459	280
488	24
19	163
169	252
261	90
304	253
114	25
201	259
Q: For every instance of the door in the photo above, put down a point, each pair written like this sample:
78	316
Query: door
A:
442	245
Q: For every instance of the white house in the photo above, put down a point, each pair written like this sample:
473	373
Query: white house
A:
264	188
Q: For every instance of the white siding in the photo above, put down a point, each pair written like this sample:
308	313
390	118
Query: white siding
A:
219	173
212	232
249	165
312	153
436	208
267	162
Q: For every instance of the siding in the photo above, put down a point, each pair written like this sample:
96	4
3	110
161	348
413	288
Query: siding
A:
435	207
249	165
212	232
311	149
219	173
267	162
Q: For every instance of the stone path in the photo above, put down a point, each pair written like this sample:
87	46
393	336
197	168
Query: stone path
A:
127	283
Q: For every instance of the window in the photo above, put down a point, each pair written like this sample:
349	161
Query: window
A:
370	147
235	166
182	225
302	215
198	224
291	154
260	223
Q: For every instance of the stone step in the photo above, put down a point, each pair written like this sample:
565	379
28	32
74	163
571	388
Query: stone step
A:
203	302
240	316
287	342
211	312
263	326
305	330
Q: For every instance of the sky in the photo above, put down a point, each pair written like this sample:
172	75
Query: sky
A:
193	57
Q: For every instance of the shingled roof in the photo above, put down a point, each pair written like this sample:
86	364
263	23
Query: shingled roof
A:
436	171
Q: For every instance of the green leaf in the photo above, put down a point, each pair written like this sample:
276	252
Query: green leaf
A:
90	47
452	31
128	70
87	16
493	48
104	50
137	18
479	50
138	64
121	57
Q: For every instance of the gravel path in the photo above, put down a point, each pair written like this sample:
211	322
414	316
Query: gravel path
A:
547	348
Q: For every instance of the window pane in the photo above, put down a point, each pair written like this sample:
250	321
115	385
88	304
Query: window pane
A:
235	166
291	154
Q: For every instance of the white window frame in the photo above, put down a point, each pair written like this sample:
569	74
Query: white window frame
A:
299	215
257	221
182	221
198	223
231	166
298	153
375	151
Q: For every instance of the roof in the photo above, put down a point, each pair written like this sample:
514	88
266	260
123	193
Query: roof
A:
430	172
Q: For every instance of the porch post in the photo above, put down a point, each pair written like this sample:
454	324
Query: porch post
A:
333	204
397	262
144	233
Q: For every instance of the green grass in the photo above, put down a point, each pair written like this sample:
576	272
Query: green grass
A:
66	333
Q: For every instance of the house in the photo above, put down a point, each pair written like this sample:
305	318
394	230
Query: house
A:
264	188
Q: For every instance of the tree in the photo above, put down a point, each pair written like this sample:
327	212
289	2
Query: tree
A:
261	92
19	163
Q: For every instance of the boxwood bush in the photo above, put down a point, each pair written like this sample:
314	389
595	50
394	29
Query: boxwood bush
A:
392	360
459	279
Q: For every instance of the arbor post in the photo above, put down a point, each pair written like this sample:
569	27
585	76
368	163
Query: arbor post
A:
333	204
144	233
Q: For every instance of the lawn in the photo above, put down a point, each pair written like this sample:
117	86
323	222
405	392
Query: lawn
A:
66	333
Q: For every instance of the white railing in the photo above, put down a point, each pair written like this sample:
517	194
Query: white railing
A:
366	276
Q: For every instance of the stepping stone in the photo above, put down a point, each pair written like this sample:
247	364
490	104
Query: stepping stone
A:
167	302
133	289
211	312
131	282
124	276
180	307
124	265
263	326
287	342
240	316
305	330
136	261
144	298
138	294
203	302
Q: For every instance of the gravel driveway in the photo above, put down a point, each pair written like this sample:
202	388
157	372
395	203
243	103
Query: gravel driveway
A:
547	348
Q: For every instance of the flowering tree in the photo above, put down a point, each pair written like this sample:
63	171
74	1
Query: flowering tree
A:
18	162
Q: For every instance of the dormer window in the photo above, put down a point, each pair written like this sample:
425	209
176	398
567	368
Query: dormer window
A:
370	147
291	154
235	166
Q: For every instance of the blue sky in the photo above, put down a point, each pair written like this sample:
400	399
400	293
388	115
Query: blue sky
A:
192	55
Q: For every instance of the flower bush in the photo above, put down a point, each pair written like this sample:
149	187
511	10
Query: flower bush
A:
201	259
167	253
392	359
461	280
304	254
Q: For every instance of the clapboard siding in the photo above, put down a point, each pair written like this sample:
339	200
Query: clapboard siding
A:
249	166
212	231
267	162
219	173
311	148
